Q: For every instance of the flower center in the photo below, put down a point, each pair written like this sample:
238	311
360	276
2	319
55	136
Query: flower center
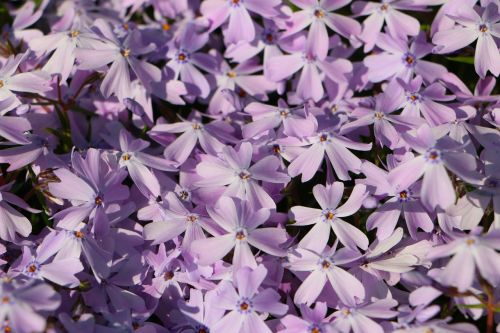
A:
276	149
125	157
379	115
168	275
74	33
404	196
1	84
192	218
196	126
384	7
244	175
323	137
409	59
319	13
328	215
181	57
483	28
5	299
433	156
78	234
7	329
98	201
346	312
234	2
184	195
202	329
244	305
240	235
165	26
315	329
231	74
325	264
126	53
470	241
284	113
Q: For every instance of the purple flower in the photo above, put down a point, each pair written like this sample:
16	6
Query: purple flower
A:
425	102
37	265
358	318
406	201
329	216
36	82
436	155
232	174
13	222
245	304
241	26
91	188
471	27
22	302
386	124
310	84
240	224
193	131
63	45
400	61
469	252
398	24
313	320
186	58
308	161
323	266
121	55
318	14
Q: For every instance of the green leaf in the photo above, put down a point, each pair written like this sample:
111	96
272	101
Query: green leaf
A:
462	59
472	306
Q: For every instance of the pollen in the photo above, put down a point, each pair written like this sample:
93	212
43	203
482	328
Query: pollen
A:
379	115
32	268
5	299
284	113
319	13
244	306
315	329
433	155
330	215
1	84
410	59
202	330
181	57
384	7
270	38
483	28
169	275
126	157
403	195
165	26
276	149
78	234
240	235
325	264
346	312
323	137
470	241
7	329
413	98
244	175
126	53
98	201
196	126
192	218
231	74
74	33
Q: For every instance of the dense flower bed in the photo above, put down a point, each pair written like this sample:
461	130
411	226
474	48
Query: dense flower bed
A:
254	166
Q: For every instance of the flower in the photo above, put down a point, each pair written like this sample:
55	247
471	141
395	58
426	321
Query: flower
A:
240	225
474	27
245	304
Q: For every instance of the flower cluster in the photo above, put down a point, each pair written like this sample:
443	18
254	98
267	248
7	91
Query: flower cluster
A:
253	166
